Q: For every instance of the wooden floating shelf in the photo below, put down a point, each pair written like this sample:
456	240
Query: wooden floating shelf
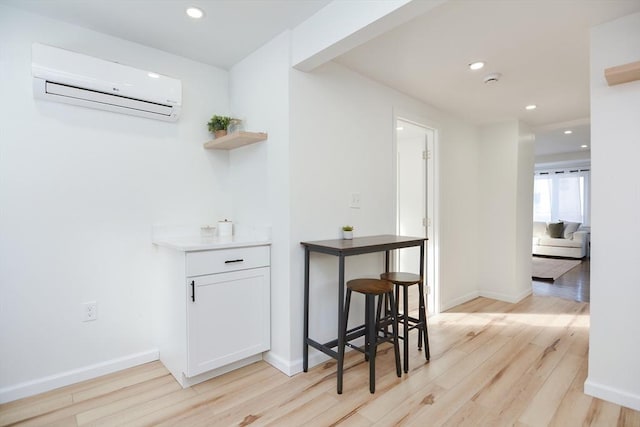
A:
622	73
235	140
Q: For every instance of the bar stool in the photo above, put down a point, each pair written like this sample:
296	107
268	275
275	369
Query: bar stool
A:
404	281
371	288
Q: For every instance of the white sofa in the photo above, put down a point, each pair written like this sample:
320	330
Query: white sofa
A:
573	244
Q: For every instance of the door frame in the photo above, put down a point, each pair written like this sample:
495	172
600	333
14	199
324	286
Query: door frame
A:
432	198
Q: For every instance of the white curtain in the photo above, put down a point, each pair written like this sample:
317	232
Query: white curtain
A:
561	195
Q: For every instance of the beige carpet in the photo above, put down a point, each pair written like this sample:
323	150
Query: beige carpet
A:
551	268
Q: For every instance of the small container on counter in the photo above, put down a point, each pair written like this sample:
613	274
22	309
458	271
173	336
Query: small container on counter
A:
225	228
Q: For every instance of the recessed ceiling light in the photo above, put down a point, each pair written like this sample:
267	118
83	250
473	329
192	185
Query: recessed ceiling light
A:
476	65
584	146
568	132
195	13
531	107
153	75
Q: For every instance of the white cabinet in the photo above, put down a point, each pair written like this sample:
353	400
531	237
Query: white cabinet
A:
199	263
214	310
227	318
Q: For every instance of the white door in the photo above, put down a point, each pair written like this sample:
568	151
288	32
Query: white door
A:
414	210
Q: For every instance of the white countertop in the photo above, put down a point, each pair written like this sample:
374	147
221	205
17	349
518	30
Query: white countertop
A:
185	239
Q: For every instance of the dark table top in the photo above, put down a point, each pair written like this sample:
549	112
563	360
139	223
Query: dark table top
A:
361	245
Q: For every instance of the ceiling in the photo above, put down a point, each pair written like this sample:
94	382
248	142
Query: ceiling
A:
541	48
229	31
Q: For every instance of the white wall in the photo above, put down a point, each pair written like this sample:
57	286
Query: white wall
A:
342	142
334	139
614	350
524	210
506	194
458	204
79	192
259	173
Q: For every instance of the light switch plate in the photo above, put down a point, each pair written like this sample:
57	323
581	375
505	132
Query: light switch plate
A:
354	203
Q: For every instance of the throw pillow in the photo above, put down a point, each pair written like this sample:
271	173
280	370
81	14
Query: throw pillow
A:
570	228
556	230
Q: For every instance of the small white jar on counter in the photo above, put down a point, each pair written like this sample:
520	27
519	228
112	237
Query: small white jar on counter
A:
225	228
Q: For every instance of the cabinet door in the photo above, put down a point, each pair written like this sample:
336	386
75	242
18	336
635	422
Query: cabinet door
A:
229	319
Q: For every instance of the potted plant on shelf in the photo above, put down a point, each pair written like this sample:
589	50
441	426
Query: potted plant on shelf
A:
347	232
218	125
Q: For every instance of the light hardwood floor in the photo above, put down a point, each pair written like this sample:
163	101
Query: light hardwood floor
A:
493	364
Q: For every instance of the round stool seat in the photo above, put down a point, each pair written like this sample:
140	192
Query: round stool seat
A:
370	286
399	278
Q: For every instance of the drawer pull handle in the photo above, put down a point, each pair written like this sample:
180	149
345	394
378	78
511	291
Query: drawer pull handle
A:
233	260
193	291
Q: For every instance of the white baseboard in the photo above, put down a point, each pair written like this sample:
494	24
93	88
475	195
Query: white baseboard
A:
315	358
188	382
279	363
507	297
294	367
613	395
30	388
444	306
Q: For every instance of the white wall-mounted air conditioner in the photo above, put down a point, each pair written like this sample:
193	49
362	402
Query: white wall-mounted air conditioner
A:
73	78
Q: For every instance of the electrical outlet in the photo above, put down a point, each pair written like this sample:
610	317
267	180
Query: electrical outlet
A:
89	311
355	201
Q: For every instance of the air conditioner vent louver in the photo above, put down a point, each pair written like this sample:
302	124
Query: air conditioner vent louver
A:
72	78
106	99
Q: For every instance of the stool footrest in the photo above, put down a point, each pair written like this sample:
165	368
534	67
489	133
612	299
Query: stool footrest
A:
352	334
322	348
381	340
386	322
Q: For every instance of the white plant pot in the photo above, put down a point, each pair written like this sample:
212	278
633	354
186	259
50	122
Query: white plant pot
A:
347	235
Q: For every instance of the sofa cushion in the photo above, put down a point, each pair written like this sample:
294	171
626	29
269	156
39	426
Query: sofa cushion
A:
556	230
565	243
570	228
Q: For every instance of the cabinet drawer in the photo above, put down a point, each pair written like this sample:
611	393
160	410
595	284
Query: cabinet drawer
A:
220	261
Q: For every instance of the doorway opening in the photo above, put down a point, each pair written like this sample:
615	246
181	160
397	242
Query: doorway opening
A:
415	203
562	201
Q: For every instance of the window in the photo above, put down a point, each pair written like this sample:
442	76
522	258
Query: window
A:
561	195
